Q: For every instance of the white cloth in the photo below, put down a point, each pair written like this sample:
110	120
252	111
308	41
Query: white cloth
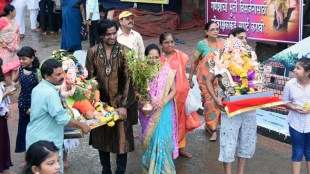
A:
33	18
5	102
133	41
298	96
92	6
20	7
33	4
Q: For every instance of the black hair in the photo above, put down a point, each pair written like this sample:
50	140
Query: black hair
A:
1	72
29	52
151	47
7	9
305	63
236	31
48	66
163	36
207	25
104	25
37	153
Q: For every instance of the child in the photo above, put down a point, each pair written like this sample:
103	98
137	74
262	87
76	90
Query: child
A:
27	76
296	95
42	157
5	157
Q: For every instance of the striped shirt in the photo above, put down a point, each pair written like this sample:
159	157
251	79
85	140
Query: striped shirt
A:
297	95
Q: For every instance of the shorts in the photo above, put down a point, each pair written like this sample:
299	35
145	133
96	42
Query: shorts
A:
239	132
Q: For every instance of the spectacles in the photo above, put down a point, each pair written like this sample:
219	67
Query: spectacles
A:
214	29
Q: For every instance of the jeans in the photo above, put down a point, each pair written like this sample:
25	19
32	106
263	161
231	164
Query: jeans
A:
300	145
121	162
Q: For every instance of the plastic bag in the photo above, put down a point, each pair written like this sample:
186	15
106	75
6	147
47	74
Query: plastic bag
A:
191	104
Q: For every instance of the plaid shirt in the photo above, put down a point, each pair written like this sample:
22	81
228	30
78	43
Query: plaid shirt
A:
298	96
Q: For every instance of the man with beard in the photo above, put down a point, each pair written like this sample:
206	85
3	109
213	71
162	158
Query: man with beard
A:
48	116
127	36
106	62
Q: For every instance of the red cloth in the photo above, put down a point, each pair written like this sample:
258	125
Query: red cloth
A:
155	23
237	107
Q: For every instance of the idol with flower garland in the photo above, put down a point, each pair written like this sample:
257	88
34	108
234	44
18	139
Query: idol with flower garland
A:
241	79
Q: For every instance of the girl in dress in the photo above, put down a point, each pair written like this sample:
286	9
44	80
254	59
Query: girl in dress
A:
5	157
296	95
27	76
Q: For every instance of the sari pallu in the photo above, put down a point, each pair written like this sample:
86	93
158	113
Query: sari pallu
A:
159	130
211	111
178	62
9	35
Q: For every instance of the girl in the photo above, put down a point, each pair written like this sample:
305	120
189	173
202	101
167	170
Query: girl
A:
42	157
27	76
296	95
5	157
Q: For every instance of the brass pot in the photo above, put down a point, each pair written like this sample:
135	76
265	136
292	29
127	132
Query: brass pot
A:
147	108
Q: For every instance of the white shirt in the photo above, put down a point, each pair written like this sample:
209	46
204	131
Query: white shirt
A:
297	95
133	41
92	6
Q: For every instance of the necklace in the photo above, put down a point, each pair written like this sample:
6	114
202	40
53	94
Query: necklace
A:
108	63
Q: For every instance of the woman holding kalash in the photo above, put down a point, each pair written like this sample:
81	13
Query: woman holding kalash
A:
296	95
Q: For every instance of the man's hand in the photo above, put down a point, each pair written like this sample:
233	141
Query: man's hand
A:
28	112
85	128
122	113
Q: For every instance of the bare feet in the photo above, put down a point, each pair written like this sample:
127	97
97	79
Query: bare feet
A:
185	153
36	30
44	33
213	135
8	172
22	165
21	36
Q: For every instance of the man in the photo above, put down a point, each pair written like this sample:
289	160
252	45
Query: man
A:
106	62
48	116
127	36
93	17
240	33
236	132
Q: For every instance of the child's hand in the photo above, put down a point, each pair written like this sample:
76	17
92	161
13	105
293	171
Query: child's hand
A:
28	112
10	91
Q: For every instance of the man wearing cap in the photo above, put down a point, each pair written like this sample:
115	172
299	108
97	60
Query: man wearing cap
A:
127	36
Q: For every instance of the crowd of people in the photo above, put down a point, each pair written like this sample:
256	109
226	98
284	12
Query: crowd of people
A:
165	129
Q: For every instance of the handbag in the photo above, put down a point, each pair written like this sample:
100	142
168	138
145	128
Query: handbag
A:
84	32
191	104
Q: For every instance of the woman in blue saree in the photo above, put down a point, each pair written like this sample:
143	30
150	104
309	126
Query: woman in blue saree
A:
72	15
159	130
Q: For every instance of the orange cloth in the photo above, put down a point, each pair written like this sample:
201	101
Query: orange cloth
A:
178	62
83	106
211	111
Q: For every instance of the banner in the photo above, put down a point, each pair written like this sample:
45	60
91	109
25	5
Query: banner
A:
266	20
149	1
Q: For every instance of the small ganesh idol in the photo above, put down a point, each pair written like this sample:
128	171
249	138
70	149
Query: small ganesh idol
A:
240	71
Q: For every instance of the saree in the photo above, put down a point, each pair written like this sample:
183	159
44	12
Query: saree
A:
159	130
178	62
9	34
211	111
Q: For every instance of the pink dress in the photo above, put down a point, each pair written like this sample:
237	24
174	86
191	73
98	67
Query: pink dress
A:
9	30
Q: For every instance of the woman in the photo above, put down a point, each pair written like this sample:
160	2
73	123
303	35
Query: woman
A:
20	7
42	157
9	40
159	130
72	15
177	60
204	51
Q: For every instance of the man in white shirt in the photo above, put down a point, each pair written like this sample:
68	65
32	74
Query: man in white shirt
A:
127	36
93	17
